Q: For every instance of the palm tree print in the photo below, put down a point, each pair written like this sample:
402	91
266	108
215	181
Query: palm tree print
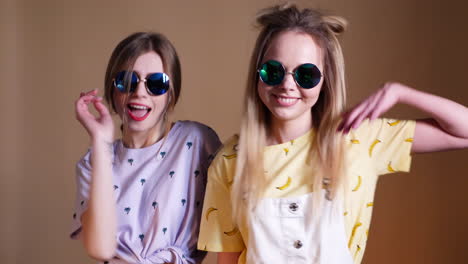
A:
141	236
163	153
198	204
189	145
74	216
116	187
164	230
183	201
142	181
127	210
130	161
196	173
171	173
154	204
82	202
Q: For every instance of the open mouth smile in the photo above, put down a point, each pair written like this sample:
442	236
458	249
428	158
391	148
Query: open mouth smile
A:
138	112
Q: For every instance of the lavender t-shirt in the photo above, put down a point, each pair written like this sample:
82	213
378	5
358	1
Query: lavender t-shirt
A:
159	194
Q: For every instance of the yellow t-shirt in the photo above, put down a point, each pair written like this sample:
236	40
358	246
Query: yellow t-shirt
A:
375	148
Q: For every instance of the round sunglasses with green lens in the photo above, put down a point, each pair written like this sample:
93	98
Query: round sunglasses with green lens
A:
306	75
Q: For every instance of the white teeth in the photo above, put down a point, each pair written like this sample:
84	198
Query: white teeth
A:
139	107
286	100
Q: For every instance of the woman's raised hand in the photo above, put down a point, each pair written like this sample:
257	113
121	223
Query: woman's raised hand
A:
99	127
372	107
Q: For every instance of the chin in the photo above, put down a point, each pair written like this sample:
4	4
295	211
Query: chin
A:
283	115
147	125
137	127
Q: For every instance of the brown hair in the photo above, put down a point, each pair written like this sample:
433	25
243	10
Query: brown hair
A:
129	49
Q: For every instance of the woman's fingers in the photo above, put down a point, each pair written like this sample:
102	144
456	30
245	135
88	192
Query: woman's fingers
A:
101	108
99	125
372	107
363	113
86	96
353	115
91	92
83	113
373	104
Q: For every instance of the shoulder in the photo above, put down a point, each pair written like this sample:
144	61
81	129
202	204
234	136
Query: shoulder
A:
222	169
230	145
197	136
385	141
382	126
227	154
194	128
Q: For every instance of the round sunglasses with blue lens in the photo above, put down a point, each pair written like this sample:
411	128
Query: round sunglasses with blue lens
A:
306	75
155	83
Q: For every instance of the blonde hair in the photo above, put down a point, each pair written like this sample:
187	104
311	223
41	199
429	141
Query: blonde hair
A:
249	180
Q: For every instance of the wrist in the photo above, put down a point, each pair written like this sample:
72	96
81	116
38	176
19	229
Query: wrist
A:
403	93
101	140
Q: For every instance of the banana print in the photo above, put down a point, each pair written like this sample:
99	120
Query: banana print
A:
389	167
230	156
209	211
232	232
355	141
353	233
394	123
409	140
358	184
370	204
345	213
292	142
286	185
371	148
357	251
286	151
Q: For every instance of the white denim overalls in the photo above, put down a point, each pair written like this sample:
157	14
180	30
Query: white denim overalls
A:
281	230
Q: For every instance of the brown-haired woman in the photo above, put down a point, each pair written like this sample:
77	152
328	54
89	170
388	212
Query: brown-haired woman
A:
297	185
139	198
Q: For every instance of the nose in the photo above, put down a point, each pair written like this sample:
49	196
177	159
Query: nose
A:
141	88
288	81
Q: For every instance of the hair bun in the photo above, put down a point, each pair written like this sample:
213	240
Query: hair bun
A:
277	15
336	24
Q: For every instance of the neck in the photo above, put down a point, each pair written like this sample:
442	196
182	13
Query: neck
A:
142	139
286	130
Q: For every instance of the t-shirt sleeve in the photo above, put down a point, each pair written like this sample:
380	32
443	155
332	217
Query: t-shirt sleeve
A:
83	183
218	233
388	144
211	146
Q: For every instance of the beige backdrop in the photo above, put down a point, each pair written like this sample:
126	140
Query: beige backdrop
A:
53	50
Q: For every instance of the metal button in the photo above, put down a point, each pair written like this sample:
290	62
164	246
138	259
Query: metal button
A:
293	207
297	244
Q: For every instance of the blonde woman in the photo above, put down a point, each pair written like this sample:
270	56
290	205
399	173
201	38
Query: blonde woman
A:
297	185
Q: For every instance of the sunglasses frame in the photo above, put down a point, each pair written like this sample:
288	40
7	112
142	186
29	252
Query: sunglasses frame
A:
293	73
139	79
